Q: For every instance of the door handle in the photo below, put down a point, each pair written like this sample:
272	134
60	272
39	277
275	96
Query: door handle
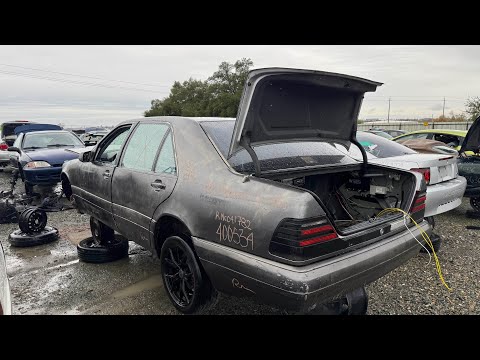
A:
157	185
106	175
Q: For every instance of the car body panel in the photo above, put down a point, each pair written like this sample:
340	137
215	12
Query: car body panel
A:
324	106
5	296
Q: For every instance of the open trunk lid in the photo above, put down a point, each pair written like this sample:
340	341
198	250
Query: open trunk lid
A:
280	105
472	139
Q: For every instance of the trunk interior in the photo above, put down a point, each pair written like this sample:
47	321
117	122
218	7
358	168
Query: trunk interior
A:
352	200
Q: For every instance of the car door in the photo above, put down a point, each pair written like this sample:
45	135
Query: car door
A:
144	179
95	190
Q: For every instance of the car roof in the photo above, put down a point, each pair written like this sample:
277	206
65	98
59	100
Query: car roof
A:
438	131
47	131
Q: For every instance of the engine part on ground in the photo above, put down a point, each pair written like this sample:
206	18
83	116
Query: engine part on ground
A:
8	212
352	303
20	239
436	242
32	220
91	252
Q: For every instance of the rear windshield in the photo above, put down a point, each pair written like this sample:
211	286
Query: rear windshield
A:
8	129
287	155
379	146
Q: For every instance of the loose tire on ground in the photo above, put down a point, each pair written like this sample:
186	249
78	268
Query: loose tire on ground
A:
21	239
8	213
88	250
186	284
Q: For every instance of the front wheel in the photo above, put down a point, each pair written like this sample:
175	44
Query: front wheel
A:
187	287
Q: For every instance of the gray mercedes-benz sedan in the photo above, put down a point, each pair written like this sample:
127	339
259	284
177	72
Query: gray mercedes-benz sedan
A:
260	206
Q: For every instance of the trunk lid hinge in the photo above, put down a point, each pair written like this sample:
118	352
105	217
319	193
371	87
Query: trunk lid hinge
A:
245	142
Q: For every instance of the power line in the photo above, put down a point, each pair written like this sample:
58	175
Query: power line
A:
85	76
75	82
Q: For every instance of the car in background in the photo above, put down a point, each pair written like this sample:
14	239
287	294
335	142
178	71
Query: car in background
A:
445	188
392	132
7	138
452	138
425	146
380	133
92	138
41	153
5	297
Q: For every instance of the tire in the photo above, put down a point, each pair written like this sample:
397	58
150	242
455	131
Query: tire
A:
32	220
436	242
357	302
475	203
186	284
101	233
90	252
20	239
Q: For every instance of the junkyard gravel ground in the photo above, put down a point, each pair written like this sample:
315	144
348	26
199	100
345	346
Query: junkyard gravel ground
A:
48	279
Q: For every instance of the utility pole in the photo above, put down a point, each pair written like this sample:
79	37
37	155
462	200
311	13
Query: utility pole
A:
443	112
388	118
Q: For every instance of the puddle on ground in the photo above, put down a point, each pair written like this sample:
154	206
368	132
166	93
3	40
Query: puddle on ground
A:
29	252
149	283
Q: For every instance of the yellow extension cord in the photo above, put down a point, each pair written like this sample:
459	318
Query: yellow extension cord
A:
424	236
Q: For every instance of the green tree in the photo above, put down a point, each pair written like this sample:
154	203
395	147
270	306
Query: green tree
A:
219	95
473	107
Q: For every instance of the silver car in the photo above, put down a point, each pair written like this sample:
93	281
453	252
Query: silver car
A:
445	187
5	302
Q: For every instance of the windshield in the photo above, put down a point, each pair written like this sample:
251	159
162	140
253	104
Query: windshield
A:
278	156
46	139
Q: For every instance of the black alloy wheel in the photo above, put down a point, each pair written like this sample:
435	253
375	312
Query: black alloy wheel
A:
187	287
32	220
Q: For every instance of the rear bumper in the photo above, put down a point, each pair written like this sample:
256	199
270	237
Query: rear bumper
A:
300	289
445	196
46	176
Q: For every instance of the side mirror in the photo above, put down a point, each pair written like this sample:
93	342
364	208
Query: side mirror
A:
85	157
14	149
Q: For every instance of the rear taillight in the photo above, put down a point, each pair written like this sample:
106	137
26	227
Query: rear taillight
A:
417	210
425	173
303	239
3	146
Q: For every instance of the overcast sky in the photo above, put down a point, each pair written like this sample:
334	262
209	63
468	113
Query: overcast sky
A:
118	82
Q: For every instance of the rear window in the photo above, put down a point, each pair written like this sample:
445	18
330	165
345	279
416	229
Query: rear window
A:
278	156
8	129
379	146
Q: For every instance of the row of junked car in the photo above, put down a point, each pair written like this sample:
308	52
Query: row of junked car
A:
287	203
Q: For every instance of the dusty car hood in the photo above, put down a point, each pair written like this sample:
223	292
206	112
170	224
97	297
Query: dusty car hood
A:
472	139
298	105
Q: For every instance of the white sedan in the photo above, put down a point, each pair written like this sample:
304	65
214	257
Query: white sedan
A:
445	187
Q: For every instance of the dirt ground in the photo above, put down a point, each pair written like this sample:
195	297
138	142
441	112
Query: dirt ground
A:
49	279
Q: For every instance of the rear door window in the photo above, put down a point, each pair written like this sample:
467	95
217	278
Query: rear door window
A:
166	158
143	145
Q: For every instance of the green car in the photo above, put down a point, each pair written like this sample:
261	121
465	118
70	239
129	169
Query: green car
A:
453	138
